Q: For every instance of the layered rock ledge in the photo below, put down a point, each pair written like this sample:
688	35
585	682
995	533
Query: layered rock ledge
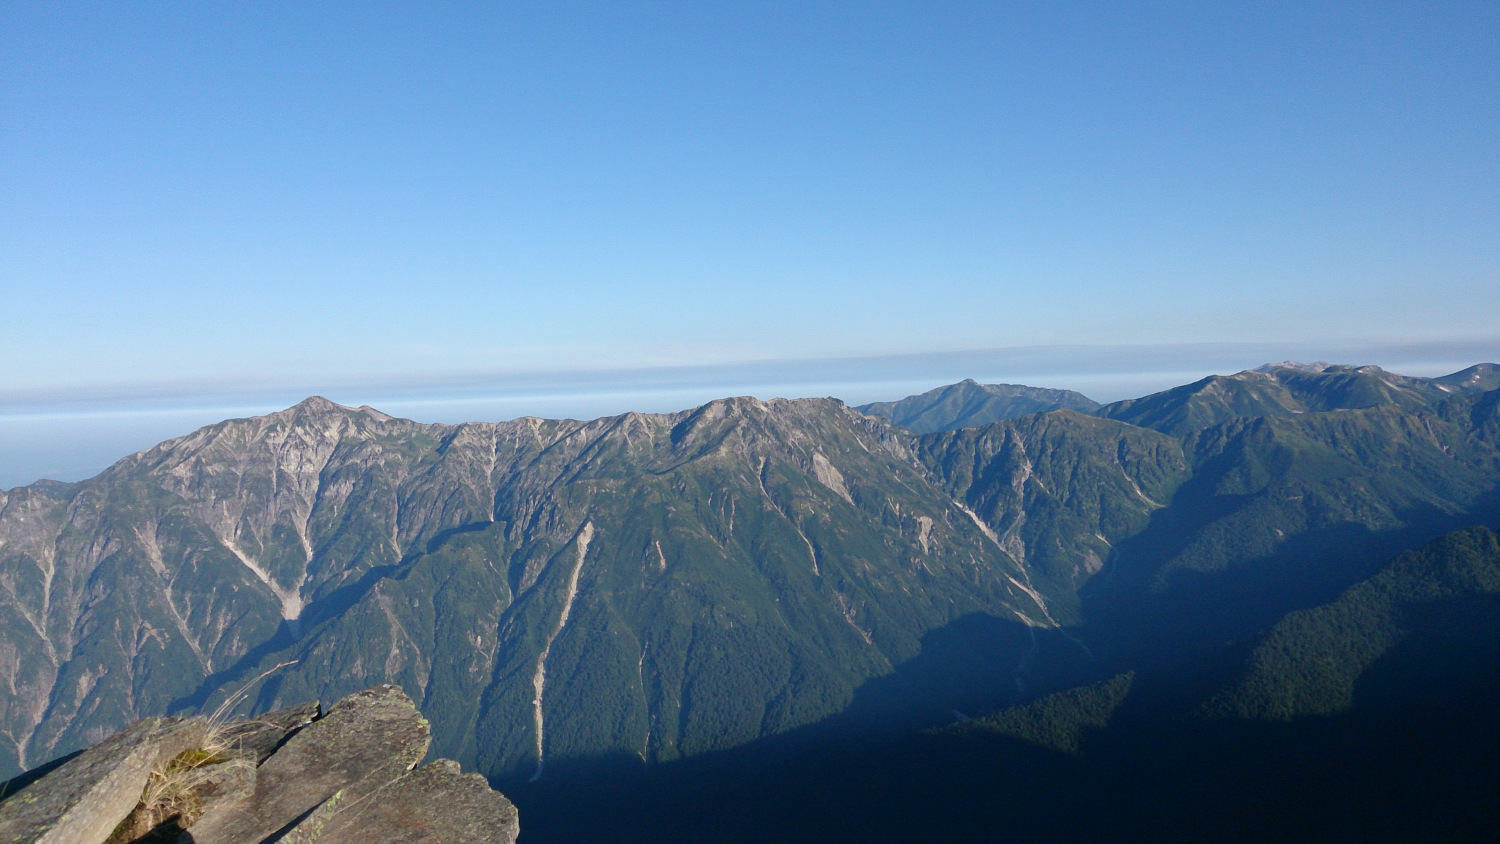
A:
298	776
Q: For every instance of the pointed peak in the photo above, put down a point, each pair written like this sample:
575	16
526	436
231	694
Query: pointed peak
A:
318	404
321	406
317	407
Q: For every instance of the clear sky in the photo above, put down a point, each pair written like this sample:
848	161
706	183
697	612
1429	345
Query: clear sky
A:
245	203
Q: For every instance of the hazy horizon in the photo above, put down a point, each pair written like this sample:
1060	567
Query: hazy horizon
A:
71	435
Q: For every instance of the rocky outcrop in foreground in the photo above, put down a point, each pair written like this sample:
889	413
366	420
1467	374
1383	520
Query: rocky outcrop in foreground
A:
295	776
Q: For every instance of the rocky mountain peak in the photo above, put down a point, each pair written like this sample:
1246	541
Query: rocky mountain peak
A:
318	404
319	410
1318	366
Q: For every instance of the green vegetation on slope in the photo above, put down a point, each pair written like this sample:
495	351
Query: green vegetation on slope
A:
1410	756
968	404
1281	391
760	574
1059	721
1313	661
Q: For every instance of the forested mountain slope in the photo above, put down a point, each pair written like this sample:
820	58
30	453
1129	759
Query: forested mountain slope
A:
969	404
1425	625
663	585
566	598
1288	390
1370	718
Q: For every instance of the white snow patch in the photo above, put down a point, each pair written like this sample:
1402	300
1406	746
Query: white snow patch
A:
640	677
1035	597
848	612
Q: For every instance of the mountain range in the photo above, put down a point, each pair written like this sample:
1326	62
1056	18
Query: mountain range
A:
674	600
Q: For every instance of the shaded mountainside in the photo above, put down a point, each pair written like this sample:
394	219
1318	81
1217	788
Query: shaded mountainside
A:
1057	490
970	404
1430	617
1285	513
658	599
1371	718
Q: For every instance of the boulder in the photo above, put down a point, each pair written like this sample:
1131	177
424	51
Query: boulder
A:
288	776
434	804
365	741
83	800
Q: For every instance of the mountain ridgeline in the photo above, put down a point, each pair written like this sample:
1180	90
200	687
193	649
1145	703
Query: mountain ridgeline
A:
969	404
641	586
690	596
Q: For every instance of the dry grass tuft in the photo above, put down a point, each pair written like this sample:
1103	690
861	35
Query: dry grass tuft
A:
174	792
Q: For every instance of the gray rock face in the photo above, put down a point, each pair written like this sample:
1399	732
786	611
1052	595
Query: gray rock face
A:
829	544
366	741
257	738
435	803
288	776
84	800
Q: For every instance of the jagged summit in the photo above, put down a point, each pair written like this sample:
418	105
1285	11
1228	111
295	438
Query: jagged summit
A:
318	407
745	575
1318	366
318	404
798	523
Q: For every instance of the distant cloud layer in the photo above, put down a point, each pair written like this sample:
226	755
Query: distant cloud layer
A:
73	433
1106	369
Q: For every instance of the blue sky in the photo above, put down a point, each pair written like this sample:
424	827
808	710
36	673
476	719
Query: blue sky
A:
214	207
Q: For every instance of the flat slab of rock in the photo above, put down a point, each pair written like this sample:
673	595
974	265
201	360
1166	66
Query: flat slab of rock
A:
365	742
83	800
435	804
289	776
257	738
